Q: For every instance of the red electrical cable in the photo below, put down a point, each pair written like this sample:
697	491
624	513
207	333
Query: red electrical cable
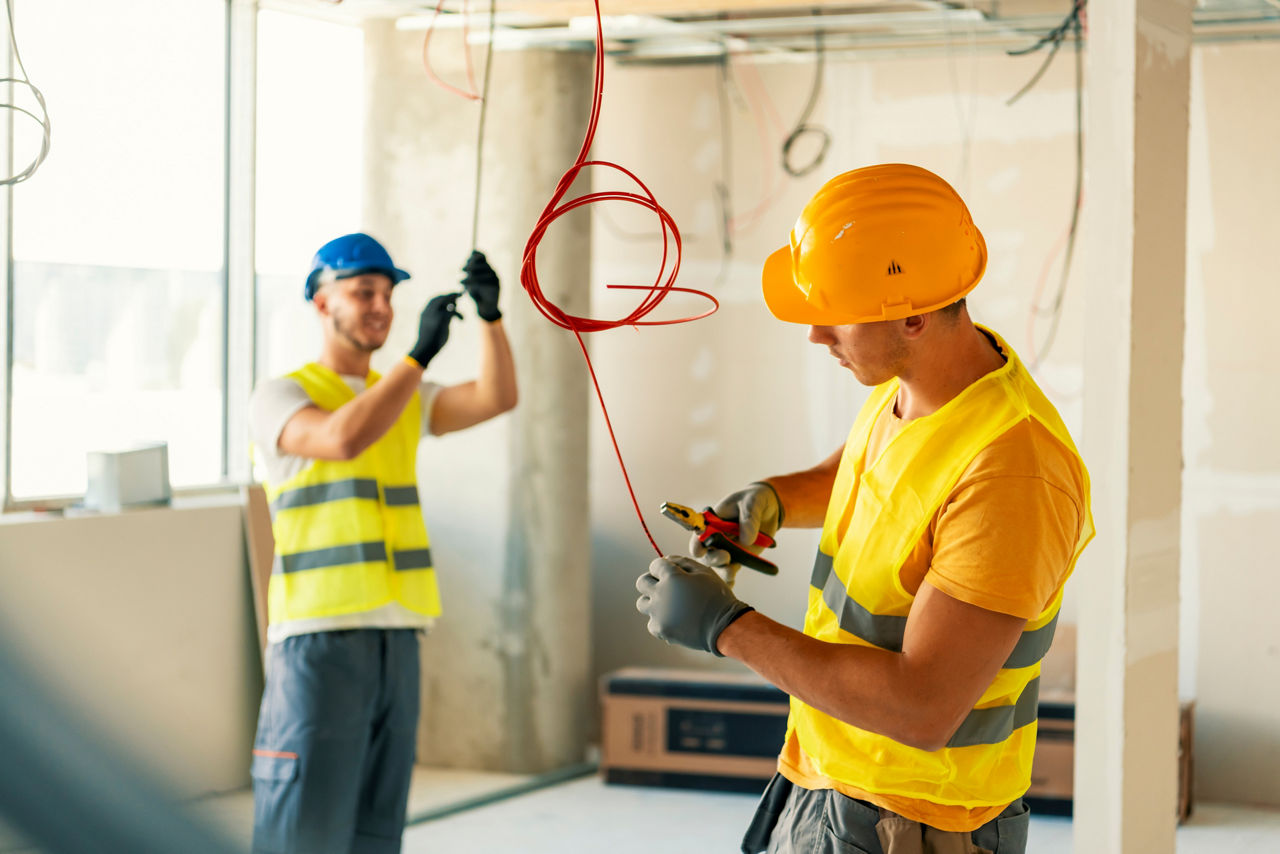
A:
473	95
664	282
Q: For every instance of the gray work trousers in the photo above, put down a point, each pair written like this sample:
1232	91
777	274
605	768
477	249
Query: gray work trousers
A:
337	735
794	820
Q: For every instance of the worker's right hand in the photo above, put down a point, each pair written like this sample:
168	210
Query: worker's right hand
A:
757	510
687	603
433	327
482	283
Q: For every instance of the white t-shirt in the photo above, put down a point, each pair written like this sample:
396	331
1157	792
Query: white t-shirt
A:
273	403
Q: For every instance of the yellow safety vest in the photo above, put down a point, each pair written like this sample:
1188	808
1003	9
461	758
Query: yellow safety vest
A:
878	512
349	533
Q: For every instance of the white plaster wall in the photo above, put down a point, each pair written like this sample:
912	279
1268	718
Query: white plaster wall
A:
1231	486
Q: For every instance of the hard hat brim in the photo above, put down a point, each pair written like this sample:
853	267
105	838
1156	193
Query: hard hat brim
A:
785	299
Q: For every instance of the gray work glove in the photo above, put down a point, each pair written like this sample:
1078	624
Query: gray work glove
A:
755	508
687	603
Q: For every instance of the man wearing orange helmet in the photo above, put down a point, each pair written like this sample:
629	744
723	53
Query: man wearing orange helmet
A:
951	519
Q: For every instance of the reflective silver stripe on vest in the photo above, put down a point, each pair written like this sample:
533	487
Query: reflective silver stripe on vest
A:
994	725
332	556
883	630
400	496
413	559
320	493
1033	645
887	631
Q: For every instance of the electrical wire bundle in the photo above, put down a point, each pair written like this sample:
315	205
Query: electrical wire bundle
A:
42	119
803	127
1071	25
482	96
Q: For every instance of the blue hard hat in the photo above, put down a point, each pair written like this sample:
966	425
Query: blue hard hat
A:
352	255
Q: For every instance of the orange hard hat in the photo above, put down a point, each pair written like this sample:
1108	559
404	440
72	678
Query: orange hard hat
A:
877	243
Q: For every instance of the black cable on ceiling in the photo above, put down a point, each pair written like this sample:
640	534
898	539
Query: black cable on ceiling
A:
1055	310
1053	39
803	127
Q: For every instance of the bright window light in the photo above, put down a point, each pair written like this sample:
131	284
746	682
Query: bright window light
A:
310	162
118	241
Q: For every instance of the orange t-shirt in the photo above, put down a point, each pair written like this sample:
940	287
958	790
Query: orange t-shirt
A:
1002	540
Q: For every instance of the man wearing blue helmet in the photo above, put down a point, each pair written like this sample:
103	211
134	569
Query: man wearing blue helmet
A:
352	583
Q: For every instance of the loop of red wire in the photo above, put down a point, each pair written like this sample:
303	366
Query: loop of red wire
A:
664	282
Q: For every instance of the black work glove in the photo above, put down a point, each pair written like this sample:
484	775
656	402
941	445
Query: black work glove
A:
482	283
433	327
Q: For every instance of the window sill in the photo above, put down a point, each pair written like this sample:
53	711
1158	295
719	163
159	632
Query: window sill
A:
67	506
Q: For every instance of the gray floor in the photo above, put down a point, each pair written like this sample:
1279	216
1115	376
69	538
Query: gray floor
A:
585	816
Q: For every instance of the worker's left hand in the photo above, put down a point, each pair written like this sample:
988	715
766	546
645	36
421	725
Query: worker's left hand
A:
482	283
687	603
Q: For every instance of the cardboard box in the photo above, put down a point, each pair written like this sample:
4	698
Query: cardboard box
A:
691	729
723	731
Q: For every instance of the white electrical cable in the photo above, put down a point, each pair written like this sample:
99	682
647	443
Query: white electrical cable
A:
42	119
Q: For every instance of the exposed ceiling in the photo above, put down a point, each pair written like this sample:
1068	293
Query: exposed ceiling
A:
778	30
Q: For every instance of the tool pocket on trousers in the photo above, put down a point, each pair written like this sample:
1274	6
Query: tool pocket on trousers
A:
275	800
1013	831
850	826
833	844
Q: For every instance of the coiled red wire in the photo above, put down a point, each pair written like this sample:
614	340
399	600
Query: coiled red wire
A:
664	282
556	207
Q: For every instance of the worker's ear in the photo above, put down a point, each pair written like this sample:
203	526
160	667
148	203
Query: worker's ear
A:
914	326
321	300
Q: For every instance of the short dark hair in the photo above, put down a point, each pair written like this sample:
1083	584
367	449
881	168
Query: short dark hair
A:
952	311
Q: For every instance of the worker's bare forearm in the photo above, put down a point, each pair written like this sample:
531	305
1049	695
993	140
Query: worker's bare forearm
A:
870	688
496	383
805	494
491	393
353	427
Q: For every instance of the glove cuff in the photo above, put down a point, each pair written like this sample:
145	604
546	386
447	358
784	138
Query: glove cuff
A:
489	316
721	624
414	362
782	512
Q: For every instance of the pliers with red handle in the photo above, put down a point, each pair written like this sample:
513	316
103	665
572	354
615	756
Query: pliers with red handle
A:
716	533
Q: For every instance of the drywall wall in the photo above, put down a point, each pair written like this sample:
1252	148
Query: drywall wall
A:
142	622
1231	487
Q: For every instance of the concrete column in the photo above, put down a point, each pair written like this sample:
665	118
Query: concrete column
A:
1139	60
506	671
542	111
